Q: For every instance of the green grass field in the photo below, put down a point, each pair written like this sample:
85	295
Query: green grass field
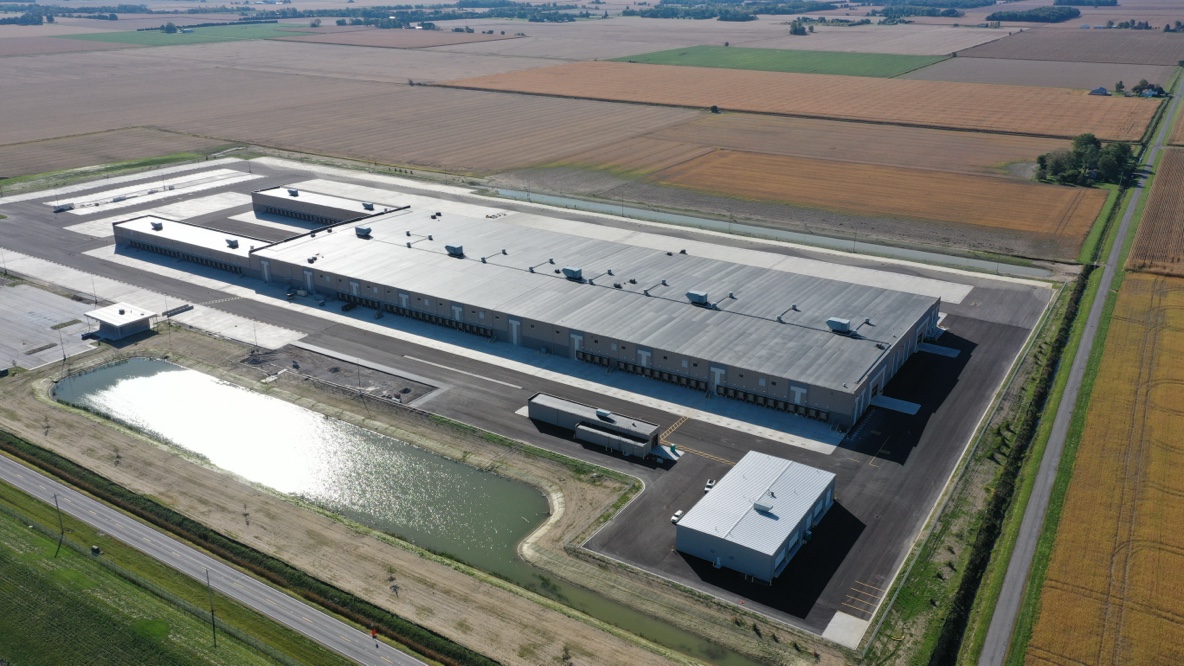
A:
224	33
70	610
73	610
784	60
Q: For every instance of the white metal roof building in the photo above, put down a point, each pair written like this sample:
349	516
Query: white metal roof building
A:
760	335
121	320
746	332
757	516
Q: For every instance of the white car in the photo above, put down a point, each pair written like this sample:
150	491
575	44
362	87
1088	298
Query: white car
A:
709	486
677	515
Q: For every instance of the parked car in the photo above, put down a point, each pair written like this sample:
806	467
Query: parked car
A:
676	517
348	306
710	485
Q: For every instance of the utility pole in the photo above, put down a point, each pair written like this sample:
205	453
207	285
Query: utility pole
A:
94	292
61	526
213	626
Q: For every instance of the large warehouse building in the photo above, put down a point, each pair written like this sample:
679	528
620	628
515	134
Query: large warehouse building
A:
817	347
757	516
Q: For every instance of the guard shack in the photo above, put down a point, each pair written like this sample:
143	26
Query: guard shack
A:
121	320
630	436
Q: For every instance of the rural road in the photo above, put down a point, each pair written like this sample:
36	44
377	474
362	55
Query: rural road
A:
1007	607
289	611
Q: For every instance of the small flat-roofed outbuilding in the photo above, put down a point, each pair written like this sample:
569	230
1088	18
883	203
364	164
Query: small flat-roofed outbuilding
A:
121	320
757	516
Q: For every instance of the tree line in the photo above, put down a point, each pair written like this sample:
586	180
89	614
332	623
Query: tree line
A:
1037	15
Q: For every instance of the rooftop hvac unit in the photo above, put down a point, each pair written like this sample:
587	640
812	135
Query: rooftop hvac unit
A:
765	502
367	205
604	414
312	259
293	192
455	250
839	325
121	311
362	232
573	273
232	243
698	297
157	226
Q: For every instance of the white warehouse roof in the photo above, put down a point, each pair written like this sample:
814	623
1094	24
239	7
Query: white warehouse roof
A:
763	320
787	488
119	314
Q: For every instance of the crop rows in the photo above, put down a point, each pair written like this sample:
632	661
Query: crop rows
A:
1059	212
1111	595
992	108
1159	245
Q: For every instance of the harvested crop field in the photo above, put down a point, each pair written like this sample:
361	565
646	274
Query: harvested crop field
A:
1060	212
1011	109
785	60
1109	594
393	124
1159	245
1043	73
90	149
397	39
23	46
940	150
902	39
1133	47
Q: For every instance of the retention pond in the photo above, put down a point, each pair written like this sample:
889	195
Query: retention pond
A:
434	502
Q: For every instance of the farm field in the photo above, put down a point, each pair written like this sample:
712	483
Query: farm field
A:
1133	47
24	46
1108	596
1177	137
397	39
91	149
940	150
624	36
1060	212
785	60
70	610
207	35
1043	73
393	124
1012	109
1159	244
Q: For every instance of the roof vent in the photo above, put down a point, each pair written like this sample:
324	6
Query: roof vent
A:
632	280
433	216
293	192
698	297
312	259
604	414
682	251
839	325
367	205
157	226
121	311
362	232
573	273
455	250
232	243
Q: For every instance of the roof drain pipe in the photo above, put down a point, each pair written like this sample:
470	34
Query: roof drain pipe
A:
792	308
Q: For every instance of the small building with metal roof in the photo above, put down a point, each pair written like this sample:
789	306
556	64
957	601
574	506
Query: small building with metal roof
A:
757	516
121	320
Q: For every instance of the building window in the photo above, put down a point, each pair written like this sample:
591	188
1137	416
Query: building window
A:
684	363
761	381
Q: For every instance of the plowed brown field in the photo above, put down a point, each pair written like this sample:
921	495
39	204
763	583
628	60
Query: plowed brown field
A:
1134	47
1112	592
940	150
23	46
78	151
1159	245
397	39
1012	109
861	189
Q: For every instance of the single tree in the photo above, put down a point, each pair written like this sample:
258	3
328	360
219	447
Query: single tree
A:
1119	87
